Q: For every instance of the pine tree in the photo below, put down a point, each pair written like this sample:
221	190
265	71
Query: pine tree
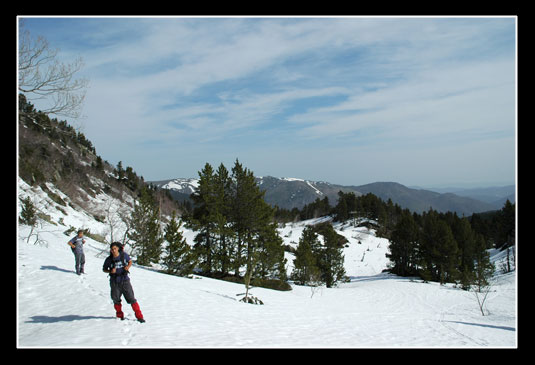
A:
28	213
305	269
483	267
342	210
120	171
271	262
330	256
465	238
439	252
258	244
427	251
506	236
99	166
203	218
179	259
249	212
403	245
144	234
220	216
447	254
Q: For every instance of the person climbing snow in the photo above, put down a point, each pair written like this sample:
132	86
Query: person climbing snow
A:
77	247
118	264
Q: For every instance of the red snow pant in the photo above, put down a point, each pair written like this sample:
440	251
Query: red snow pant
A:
135	306
123	287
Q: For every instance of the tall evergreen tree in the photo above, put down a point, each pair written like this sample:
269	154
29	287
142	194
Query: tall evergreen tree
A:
305	269
330	256
271	262
249	212
179	259
258	245
120	171
220	216
146	241
342	208
483	267
447	254
465	238
203	218
439	249
28	213
506	219
403	245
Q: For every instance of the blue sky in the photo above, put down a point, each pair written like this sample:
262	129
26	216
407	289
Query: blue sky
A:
349	100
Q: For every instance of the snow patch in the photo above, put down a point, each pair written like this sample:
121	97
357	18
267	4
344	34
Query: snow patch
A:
183	184
313	187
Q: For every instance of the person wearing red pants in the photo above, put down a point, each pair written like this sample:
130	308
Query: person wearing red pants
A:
118	265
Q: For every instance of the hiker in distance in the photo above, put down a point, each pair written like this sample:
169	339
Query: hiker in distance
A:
77	248
118	264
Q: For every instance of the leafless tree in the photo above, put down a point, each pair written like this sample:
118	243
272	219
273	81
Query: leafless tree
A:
111	218
42	76
249	298
481	294
315	282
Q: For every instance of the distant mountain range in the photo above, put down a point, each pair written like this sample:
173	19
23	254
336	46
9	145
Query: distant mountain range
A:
496	195
291	193
419	200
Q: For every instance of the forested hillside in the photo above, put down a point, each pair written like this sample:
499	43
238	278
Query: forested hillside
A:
54	152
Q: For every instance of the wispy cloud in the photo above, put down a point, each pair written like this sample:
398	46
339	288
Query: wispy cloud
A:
458	99
187	84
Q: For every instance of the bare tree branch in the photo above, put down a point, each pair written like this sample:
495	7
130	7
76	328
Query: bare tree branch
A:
42	76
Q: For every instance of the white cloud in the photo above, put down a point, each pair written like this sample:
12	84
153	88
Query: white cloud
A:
187	81
478	96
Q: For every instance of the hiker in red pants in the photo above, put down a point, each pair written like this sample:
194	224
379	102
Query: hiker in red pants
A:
118	265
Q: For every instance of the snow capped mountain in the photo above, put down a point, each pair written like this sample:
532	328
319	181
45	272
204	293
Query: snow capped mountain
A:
284	192
186	186
290	192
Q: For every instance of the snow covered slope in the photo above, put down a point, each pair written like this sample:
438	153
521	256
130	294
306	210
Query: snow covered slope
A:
57	308
365	254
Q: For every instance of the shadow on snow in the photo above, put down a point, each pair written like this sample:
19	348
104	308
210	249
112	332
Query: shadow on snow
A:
67	318
55	268
485	325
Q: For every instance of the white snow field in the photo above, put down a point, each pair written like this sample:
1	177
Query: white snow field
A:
58	309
